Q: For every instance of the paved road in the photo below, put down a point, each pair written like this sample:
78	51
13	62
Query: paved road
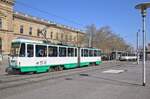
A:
88	85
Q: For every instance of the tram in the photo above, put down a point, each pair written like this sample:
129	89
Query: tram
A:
37	56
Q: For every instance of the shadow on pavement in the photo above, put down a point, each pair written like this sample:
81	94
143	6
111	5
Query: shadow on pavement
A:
114	81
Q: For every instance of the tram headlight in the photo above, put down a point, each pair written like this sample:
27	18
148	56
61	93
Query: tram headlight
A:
13	63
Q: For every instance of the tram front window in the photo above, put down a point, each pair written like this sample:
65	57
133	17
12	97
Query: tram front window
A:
15	49
18	49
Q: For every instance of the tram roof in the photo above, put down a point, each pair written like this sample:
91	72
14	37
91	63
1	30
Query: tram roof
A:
41	42
38	42
27	41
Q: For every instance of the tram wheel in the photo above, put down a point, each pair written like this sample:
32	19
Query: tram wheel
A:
57	68
51	69
60	68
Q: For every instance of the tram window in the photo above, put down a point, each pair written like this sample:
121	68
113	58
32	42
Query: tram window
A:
82	52
75	52
52	51
22	50
99	53
62	51
85	52
41	51
90	53
30	50
70	52
95	53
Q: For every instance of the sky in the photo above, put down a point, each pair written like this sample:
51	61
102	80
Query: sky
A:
120	15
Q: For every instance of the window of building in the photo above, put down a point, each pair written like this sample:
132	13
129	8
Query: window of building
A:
70	37
21	28
62	36
30	31
1	23
41	51
62	51
38	32
56	36
66	37
75	39
0	45
70	52
52	51
30	50
51	35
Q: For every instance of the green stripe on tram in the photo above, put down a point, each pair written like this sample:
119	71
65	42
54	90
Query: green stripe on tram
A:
72	65
84	64
44	68
98	62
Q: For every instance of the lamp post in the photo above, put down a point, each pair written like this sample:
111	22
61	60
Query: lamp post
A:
143	7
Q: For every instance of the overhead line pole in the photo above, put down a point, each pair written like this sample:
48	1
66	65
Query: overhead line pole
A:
143	7
43	32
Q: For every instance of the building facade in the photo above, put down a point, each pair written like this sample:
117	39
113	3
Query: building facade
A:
19	25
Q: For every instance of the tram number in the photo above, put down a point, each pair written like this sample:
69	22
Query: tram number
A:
41	63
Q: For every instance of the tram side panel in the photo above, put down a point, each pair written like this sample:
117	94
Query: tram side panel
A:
66	62
86	59
40	57
90	60
37	64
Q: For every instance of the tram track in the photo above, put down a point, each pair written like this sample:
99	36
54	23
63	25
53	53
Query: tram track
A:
29	79
8	78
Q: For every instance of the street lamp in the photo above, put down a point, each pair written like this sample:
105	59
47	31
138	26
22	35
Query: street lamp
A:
143	7
78	48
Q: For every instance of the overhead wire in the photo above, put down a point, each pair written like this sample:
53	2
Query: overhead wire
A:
49	13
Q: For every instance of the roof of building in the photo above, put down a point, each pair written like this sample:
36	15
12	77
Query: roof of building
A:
9	1
46	22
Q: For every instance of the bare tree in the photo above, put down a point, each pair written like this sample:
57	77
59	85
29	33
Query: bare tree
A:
105	39
91	31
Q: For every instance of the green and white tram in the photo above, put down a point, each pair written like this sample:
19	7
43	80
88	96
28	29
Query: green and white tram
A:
37	56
